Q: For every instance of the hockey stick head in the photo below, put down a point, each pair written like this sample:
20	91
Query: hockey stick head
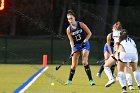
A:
57	67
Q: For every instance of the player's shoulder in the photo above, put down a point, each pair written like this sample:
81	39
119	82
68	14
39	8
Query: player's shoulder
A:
82	24
109	35
68	28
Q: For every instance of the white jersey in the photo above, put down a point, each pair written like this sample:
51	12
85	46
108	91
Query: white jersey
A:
129	45
130	54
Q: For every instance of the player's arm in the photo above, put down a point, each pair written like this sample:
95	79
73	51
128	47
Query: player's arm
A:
87	30
70	39
109	42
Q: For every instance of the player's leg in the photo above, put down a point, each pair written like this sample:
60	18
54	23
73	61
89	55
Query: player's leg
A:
114	65
73	67
101	70
121	75
135	70
85	54
108	72
136	73
113	68
106	56
128	77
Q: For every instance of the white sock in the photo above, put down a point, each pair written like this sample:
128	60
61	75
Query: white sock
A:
108	73
121	77
129	79
137	77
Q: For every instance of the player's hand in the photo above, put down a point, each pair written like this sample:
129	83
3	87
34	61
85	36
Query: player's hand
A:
83	44
72	52
85	40
112	55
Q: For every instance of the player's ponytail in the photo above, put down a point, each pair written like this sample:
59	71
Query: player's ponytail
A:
123	35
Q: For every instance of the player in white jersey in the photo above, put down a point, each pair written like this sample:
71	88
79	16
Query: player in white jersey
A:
113	59
127	54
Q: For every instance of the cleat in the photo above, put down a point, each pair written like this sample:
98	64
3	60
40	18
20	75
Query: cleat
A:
131	87
109	83
91	82
98	75
68	82
124	91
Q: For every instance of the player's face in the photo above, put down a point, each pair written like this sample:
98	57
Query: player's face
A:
71	19
114	28
116	35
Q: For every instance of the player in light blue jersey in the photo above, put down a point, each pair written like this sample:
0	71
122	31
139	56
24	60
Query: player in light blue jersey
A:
78	34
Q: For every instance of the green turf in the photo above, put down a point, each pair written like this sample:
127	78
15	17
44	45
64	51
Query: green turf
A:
12	76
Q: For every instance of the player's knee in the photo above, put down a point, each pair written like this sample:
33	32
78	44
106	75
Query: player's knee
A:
73	67
84	62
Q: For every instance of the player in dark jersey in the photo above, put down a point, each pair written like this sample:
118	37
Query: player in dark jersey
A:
108	50
78	34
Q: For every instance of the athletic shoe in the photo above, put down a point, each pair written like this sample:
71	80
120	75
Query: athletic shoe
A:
91	82
109	83
68	82
98	75
124	91
131	87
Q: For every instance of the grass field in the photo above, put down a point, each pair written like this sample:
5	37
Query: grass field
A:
12	76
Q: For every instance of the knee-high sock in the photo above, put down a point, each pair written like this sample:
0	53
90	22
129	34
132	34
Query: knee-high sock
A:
129	79
137	77
122	80
112	69
101	68
72	72
88	71
108	73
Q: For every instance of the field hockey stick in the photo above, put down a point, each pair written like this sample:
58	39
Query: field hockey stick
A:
81	46
100	61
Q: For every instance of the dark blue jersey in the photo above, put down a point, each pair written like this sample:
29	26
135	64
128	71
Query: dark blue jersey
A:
78	34
112	40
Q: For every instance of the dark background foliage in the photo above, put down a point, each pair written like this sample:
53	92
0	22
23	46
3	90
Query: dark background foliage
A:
41	17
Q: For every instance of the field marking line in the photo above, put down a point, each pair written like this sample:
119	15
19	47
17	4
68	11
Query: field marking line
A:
30	81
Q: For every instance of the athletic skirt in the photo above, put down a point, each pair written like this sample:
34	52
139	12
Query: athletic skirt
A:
106	48
84	47
128	57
